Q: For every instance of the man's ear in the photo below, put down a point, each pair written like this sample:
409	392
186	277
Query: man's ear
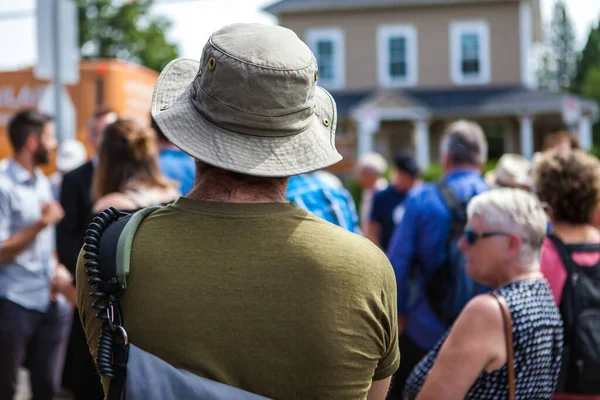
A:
32	142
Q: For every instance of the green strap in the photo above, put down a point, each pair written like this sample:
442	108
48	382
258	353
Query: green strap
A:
126	240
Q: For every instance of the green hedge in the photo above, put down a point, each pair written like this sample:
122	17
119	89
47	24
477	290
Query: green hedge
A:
434	172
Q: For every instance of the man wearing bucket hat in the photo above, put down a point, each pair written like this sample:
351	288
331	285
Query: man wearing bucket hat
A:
513	170
233	282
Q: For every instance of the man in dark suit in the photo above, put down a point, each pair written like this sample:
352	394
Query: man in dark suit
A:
80	372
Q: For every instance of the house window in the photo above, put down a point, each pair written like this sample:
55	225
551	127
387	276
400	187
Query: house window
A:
325	59
470	52
469	44
329	49
397	55
397	52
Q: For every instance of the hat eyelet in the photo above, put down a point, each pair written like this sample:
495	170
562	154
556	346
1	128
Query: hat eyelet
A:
212	63
316	75
326	122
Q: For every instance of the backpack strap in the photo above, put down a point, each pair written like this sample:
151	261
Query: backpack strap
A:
108	247
565	254
437	285
125	241
567	305
455	206
448	196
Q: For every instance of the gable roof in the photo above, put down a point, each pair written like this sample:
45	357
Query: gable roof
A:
290	6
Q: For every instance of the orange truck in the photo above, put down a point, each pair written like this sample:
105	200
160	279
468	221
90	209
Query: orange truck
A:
123	86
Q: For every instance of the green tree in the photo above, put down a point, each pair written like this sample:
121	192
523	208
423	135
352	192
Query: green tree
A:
591	90
557	66
590	58
587	77
127	31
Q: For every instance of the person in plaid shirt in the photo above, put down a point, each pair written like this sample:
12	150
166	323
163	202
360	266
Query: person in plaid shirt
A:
332	203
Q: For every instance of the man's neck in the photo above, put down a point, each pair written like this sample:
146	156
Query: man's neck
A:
162	146
26	161
226	190
462	168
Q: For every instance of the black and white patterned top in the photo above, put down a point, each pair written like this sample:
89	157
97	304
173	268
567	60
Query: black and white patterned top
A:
537	339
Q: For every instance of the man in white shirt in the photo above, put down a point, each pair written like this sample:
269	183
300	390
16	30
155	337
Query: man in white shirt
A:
370	170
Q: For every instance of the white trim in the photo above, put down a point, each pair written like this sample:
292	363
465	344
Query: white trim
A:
392	113
421	132
526	43
367	128
335	35
482	29
526	123
384	33
585	132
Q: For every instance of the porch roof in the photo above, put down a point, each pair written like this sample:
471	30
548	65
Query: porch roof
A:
467	102
292	6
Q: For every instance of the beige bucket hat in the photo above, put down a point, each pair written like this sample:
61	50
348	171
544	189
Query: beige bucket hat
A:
512	170
251	105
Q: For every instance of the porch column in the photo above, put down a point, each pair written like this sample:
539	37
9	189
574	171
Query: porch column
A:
367	127
422	142
527	136
585	132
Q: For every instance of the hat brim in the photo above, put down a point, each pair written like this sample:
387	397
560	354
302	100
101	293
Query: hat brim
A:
268	156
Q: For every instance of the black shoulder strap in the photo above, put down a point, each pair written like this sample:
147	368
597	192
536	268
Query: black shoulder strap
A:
107	260
448	196
565	254
107	256
567	306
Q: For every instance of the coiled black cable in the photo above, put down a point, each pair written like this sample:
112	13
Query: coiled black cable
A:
106	291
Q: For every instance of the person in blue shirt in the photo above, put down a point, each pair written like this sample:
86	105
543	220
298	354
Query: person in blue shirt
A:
325	198
174	163
421	239
388	204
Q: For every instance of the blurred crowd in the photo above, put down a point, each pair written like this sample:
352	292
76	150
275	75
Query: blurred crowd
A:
527	232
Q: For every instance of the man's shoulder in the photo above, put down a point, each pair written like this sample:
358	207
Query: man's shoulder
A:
423	194
384	193
6	183
341	241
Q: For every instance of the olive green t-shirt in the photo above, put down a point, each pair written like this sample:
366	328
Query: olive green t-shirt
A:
264	297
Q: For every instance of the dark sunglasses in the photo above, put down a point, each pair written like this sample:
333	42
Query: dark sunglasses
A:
472	237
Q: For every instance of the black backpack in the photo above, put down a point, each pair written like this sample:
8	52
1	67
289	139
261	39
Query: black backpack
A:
450	288
580	311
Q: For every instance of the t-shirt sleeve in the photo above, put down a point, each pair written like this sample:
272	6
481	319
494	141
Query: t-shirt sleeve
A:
390	359
89	322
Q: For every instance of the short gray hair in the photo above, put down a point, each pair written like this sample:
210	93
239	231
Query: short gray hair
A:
464	143
374	163
514	211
